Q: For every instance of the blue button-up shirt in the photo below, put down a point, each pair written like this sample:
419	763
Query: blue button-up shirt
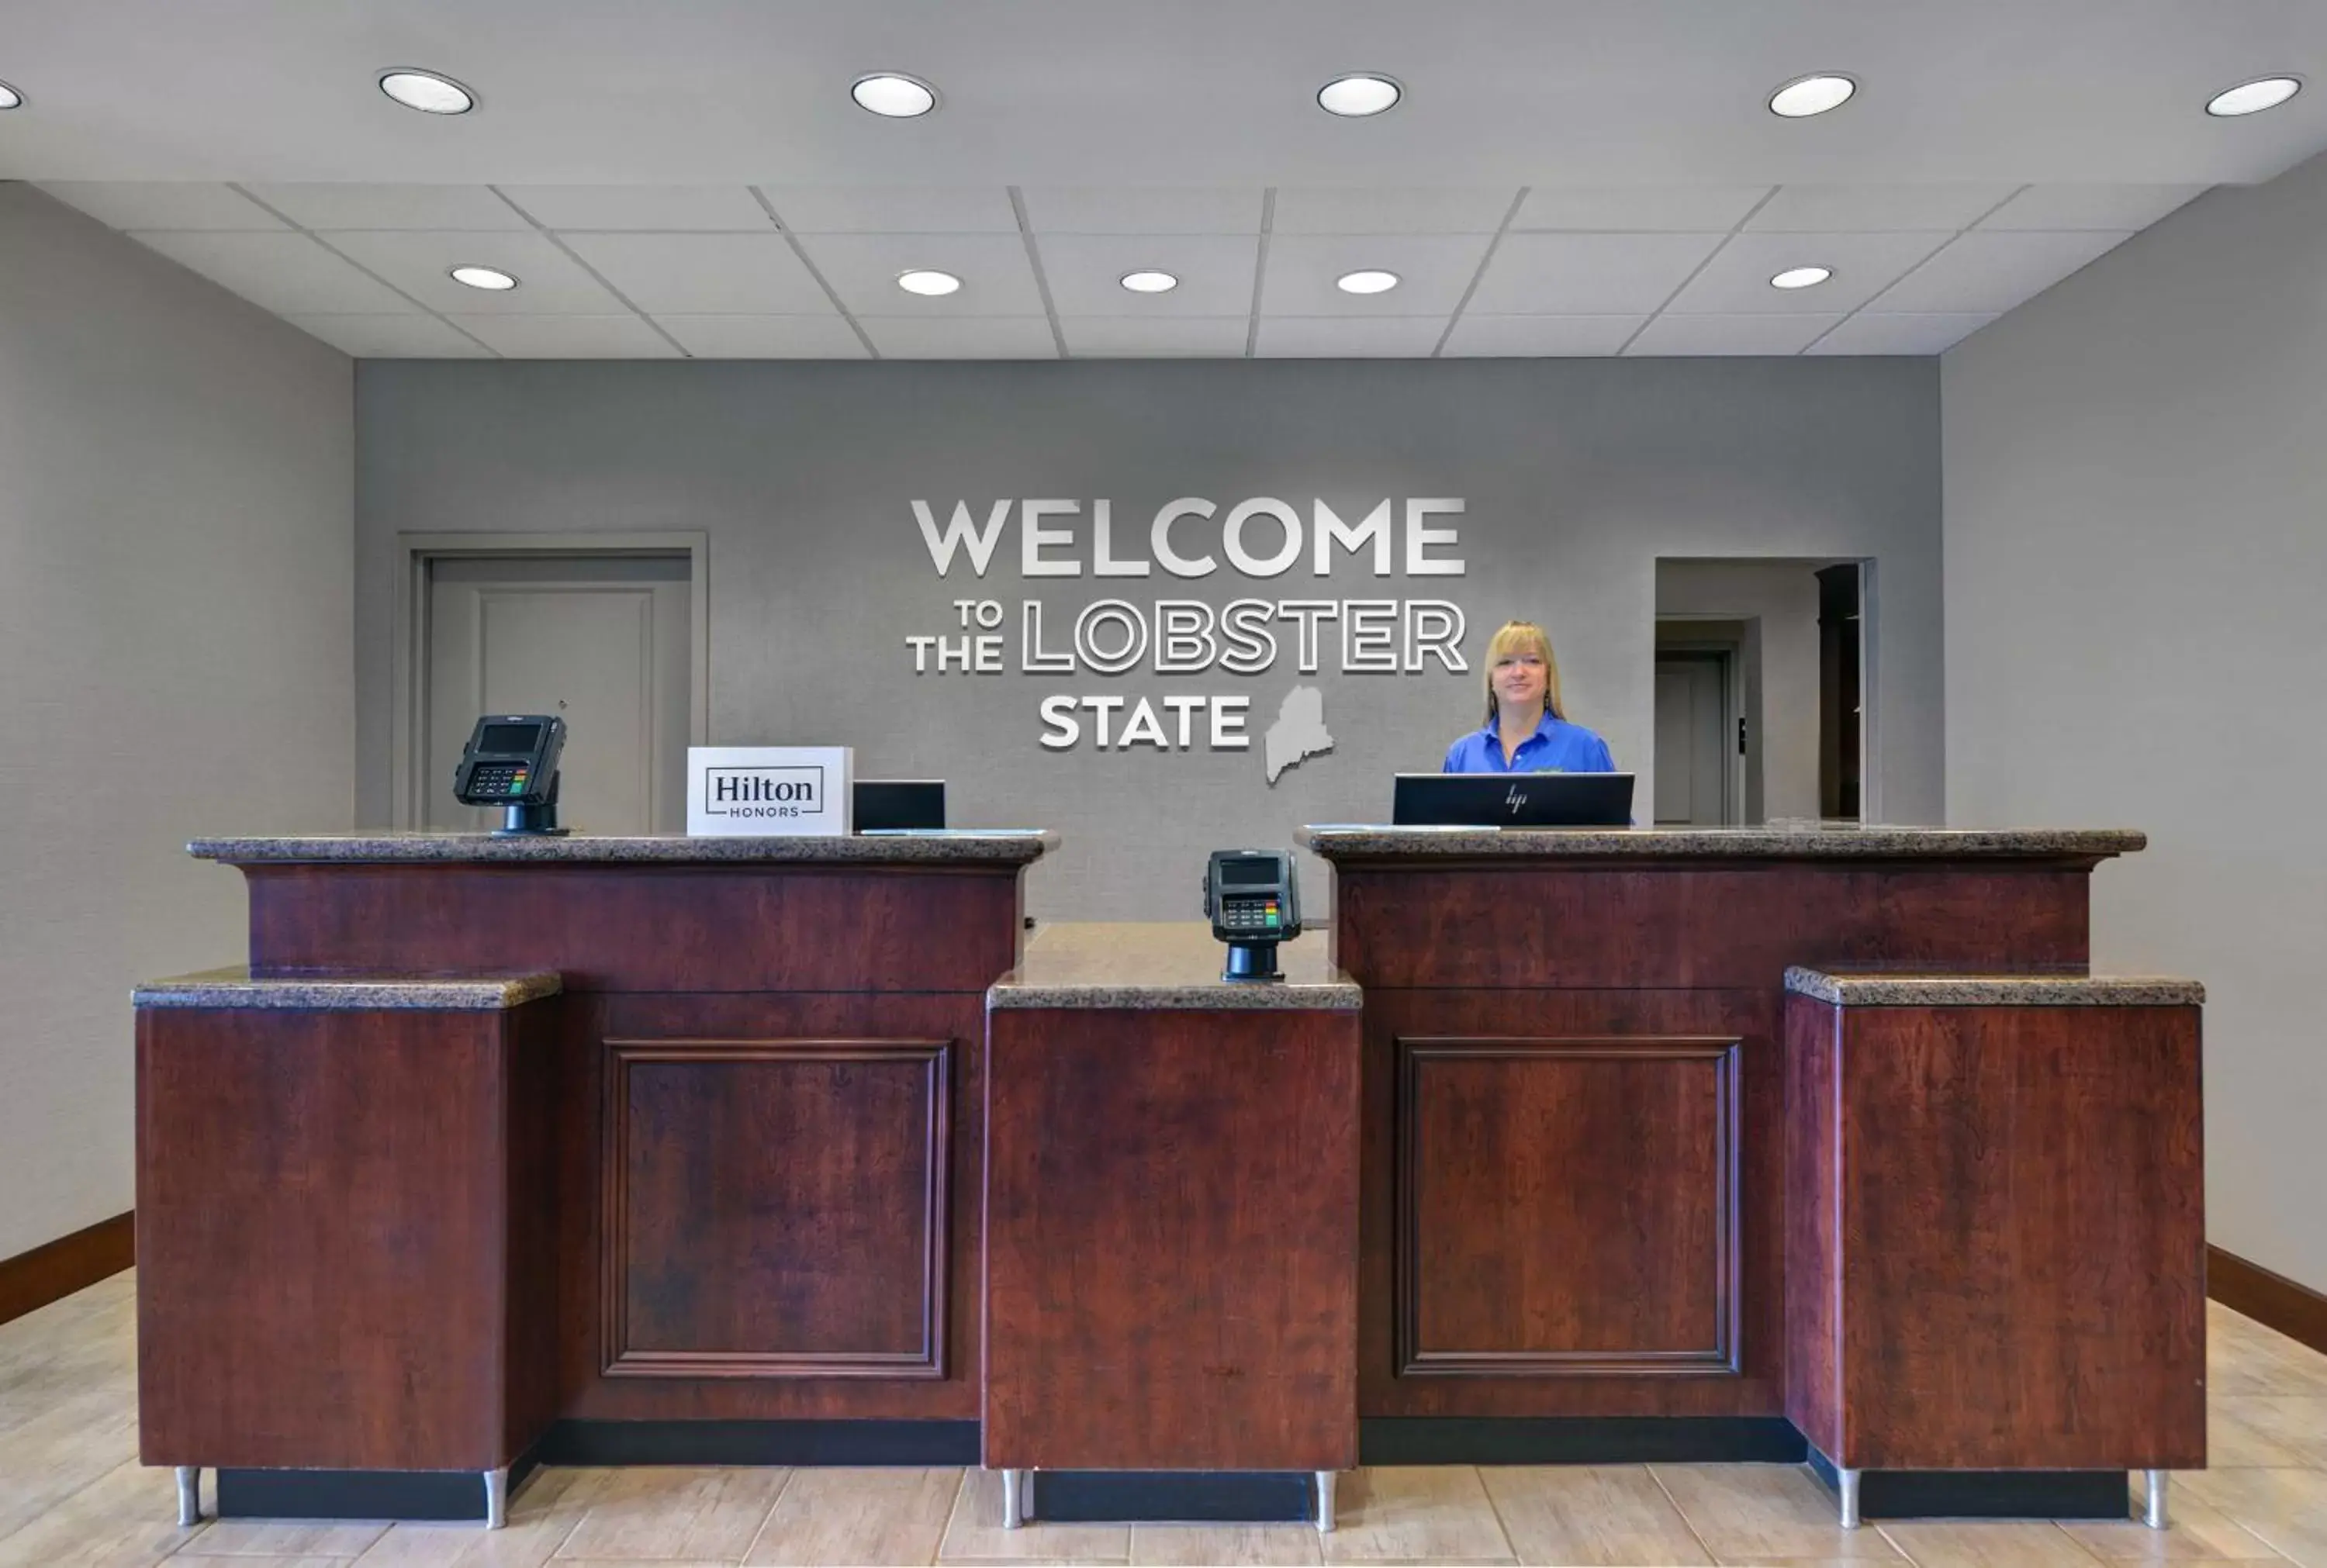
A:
1556	747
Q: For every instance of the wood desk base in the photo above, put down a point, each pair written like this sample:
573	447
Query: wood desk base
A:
1171	1265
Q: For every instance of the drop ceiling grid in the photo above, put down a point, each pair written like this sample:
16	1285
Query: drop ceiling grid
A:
678	261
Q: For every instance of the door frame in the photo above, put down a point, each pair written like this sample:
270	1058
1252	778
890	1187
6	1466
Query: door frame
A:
1870	709
408	653
1730	653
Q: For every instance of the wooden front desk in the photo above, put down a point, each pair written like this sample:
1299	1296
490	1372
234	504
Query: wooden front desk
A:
751	1227
758	1186
1172	1218
1574	1210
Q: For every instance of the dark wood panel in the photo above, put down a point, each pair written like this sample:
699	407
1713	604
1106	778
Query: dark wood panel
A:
776	1208
32	1280
1548	925
1812	1336
1171	1240
324	1238
1567	1207
2022	1238
643	927
2272	1299
530	1301
1749	1018
581	1095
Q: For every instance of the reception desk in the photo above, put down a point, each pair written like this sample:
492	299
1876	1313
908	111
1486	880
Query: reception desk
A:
1564	1146
1604	1209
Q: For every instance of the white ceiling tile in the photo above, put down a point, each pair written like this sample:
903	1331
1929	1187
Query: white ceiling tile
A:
1992	271
1348	337
412	337
1433	269
443	207
2103	207
1671	336
1841	209
1736	281
996	278
651	207
623	337
1154	337
824	337
138	204
894	210
287	273
1478	337
1142	209
1869	333
961	337
420	262
1657	208
1333	210
1586	275
1085	271
704	274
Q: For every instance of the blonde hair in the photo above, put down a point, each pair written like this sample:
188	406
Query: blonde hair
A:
1525	637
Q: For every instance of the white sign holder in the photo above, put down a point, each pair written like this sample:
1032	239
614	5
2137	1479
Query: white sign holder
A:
769	791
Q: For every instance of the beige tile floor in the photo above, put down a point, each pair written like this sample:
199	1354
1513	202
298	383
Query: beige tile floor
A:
71	1492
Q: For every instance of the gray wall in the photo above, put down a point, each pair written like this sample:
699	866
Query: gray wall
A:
2136	565
1577	475
175	624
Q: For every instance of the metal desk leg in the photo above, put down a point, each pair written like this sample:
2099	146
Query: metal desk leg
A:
1325	1502
1013	1505
1847	1483
190	1495
496	1499
2153	1510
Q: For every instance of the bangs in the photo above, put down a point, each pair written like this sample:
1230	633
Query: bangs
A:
1517	637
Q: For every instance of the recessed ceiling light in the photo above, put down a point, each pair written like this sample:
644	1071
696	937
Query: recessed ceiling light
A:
899	97
1149	282
2254	96
485	277
10	98
426	91
1359	94
1811	95
1802	277
1366	282
924	281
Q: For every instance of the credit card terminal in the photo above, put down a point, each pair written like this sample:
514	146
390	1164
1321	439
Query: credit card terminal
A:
1253	902
512	761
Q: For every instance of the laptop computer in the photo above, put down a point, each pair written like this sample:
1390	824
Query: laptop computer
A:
895	805
1512	800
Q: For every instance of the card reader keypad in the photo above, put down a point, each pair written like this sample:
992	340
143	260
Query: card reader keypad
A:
1259	916
499	778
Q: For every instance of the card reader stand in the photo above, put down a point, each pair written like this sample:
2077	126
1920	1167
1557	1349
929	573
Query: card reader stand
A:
1251	961
536	820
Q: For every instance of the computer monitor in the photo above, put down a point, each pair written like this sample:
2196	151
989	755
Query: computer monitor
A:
1512	800
895	805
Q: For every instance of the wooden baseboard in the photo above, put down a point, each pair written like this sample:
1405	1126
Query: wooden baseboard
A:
70	1263
2272	1299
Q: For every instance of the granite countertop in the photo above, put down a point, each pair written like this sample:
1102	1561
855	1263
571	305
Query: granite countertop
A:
1813	841
1006	846
1895	988
1161	965
234	987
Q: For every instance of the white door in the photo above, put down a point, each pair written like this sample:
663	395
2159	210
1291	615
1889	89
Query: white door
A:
1692	740
602	641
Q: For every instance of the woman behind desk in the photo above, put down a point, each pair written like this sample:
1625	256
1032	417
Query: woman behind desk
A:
1525	731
